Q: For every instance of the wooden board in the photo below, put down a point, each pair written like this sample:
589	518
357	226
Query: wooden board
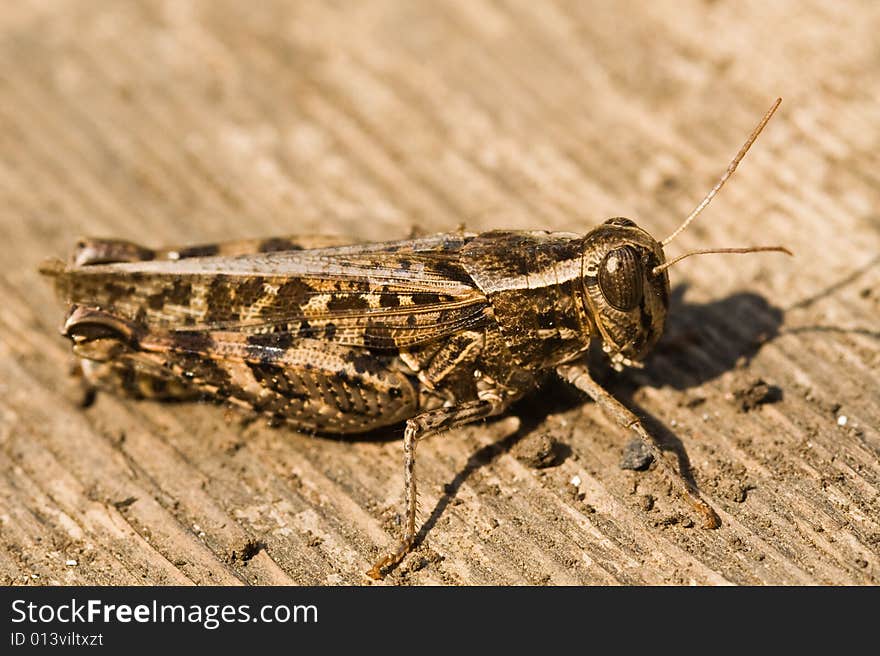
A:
177	122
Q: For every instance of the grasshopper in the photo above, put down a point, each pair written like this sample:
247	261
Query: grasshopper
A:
336	338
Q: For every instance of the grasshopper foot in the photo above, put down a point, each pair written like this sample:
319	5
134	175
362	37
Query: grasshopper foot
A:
391	560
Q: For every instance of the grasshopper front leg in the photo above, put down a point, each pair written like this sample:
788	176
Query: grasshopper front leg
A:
579	376
418	428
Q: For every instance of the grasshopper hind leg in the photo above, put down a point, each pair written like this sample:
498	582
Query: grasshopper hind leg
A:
110	361
130	378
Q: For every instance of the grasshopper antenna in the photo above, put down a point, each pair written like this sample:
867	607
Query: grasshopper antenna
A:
730	169
704	251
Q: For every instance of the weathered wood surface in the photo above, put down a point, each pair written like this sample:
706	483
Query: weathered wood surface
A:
174	122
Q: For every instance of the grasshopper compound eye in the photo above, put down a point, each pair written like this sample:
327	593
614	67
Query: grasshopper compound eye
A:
621	279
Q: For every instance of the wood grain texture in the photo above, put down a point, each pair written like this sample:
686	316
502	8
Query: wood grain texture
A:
176	122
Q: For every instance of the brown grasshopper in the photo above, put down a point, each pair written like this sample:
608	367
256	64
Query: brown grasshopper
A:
437	332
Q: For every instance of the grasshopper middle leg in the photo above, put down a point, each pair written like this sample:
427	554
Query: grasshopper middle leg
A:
419	427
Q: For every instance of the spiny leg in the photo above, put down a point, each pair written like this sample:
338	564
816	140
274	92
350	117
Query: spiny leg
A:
418	428
578	376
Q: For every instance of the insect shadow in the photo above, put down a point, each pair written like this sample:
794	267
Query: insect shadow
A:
831	290
702	342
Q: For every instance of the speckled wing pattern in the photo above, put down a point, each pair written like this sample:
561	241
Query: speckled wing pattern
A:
340	295
313	336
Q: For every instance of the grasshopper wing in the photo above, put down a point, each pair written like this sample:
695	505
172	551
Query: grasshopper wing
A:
377	297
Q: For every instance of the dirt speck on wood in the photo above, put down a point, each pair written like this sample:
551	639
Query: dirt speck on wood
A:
753	393
637	456
538	450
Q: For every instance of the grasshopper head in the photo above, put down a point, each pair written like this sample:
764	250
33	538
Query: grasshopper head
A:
625	280
626	298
